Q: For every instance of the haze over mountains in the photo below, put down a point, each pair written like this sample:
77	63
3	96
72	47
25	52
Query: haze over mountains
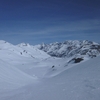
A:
57	71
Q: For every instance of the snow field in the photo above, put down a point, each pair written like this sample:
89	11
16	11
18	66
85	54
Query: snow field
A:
27	73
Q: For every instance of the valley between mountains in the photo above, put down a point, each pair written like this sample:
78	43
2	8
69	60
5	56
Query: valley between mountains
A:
69	70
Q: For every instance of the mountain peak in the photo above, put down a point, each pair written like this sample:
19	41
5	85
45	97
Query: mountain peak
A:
23	44
71	48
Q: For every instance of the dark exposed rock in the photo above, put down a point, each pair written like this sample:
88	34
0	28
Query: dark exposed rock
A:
75	60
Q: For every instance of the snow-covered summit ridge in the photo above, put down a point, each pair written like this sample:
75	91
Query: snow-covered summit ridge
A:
32	50
22	50
71	48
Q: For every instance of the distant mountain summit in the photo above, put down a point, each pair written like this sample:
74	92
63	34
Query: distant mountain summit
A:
72	48
75	51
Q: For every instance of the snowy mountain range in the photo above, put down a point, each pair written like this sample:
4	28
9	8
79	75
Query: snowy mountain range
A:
71	48
57	71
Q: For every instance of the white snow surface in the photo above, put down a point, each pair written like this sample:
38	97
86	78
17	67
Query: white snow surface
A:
27	73
11	77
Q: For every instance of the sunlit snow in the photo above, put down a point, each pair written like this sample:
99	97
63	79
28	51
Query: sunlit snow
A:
27	73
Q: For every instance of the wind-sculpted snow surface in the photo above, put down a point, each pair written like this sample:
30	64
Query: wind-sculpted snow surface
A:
71	48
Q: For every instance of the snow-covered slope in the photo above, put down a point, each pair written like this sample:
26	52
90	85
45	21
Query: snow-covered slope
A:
32	51
27	73
71	48
11	77
13	53
14	61
81	82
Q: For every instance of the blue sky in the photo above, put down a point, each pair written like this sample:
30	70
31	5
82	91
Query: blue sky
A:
38	21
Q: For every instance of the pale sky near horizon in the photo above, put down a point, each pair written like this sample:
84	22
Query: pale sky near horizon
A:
38	21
